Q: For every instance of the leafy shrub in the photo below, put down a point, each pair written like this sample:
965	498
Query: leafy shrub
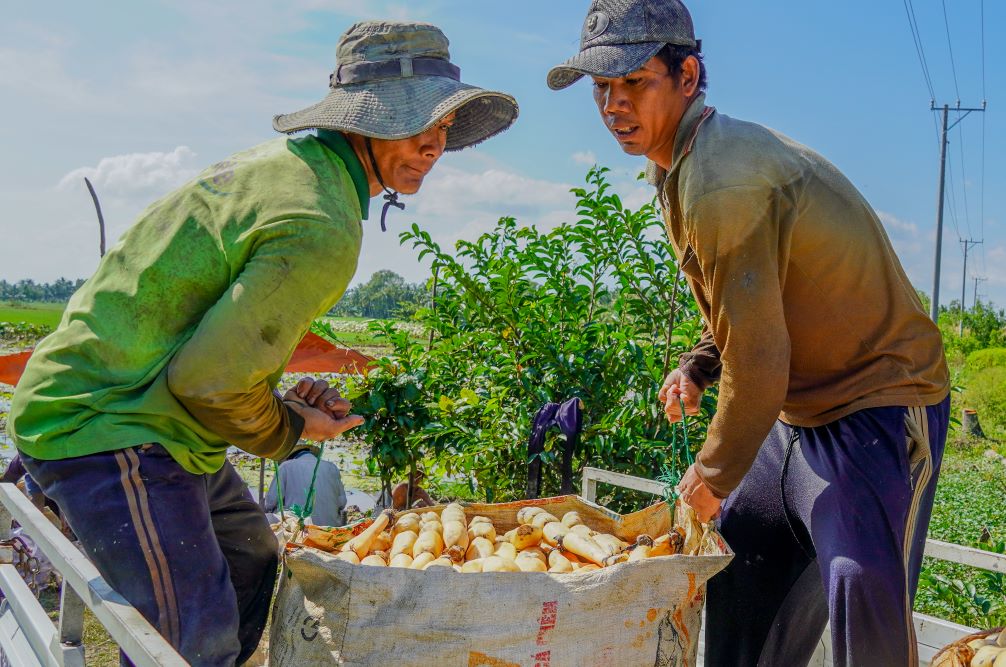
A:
982	359
23	332
523	317
986	392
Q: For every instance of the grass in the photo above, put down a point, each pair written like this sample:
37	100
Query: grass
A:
47	314
969	511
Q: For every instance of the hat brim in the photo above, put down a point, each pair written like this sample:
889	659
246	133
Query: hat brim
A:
402	108
610	61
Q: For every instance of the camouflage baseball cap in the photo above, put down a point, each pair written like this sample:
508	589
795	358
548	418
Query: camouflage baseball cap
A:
619	36
394	80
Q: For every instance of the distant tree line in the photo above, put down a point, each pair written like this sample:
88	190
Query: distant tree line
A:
385	296
29	290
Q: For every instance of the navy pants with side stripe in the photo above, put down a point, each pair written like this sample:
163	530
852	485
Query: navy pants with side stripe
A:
193	553
829	523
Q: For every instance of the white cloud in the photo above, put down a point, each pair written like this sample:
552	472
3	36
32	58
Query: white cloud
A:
895	224
585	157
137	173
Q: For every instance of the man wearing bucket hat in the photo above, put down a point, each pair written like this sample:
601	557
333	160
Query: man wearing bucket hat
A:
170	353
833	386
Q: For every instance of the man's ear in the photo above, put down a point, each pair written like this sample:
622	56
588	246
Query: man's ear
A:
689	77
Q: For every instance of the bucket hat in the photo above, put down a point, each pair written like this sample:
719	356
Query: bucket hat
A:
394	80
619	36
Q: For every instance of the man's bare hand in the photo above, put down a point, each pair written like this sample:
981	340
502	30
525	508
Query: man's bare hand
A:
318	394
697	495
678	385
325	413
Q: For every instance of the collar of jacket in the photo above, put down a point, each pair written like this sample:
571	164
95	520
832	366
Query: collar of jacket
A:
696	114
338	144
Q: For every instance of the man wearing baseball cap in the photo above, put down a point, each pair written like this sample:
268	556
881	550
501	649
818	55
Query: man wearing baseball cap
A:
171	352
823	454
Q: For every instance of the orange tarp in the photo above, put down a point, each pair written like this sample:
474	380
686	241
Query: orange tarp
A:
314	354
12	365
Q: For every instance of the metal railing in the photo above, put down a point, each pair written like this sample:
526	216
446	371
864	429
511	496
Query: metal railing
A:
28	636
932	633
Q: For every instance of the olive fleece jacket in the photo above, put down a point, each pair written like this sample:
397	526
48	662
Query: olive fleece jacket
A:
808	313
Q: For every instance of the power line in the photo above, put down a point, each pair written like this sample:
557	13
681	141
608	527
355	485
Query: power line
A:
981	190
967	244
964	180
919	51
953	199
953	66
981	8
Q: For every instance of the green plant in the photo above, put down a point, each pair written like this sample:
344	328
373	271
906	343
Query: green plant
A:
988	358
393	399
523	317
986	392
977	600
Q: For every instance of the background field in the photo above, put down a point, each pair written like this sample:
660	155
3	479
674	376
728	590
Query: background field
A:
46	314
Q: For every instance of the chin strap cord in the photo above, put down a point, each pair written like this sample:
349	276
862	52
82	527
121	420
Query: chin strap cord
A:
390	196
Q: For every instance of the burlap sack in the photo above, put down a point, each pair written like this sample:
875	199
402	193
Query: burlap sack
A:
641	613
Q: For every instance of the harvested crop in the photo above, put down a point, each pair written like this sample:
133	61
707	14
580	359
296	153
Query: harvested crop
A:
443	561
422	560
472	565
453	512
641	549
401	560
987	656
552	531
530	563
361	543
403	543
482	529
455	534
557	562
479	548
349	557
429	541
572	518
583	546
405	523
540	543
499	564
506	549
432	526
526	536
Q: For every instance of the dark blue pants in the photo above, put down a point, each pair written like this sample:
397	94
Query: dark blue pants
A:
193	553
830	522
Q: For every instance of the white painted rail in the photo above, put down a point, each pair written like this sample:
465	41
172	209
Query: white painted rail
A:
932	633
28	637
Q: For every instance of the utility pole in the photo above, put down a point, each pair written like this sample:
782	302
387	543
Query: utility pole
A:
967	243
978	279
934	309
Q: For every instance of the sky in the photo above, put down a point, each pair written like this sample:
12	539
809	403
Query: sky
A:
141	95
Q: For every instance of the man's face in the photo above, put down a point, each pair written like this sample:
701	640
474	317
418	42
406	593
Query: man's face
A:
642	110
404	163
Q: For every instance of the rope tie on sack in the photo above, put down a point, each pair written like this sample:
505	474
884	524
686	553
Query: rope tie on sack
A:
670	474
300	512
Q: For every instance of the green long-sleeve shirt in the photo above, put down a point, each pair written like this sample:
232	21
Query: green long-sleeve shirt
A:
182	333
